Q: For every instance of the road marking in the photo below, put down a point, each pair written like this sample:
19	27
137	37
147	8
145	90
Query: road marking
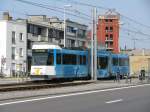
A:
114	101
71	94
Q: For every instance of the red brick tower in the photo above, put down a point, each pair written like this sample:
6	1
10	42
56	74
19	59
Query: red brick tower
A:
108	31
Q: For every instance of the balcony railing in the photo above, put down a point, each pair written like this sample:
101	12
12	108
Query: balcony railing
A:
37	37
109	47
108	31
109	40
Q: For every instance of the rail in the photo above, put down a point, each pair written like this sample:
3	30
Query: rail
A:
35	86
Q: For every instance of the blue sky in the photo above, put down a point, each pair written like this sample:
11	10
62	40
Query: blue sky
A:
136	9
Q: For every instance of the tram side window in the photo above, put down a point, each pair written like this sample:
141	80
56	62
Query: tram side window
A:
58	58
120	62
82	60
123	62
102	62
69	59
50	60
98	63
115	61
126	62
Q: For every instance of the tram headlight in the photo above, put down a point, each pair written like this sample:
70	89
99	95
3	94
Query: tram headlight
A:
33	73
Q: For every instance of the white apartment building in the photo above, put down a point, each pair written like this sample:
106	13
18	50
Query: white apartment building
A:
76	33
13	46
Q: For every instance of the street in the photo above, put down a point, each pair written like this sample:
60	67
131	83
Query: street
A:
125	99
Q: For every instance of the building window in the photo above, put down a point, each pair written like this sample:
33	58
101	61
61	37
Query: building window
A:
111	29
111	20
80	43
21	52
29	44
34	29
81	33
71	29
111	36
106	20
13	66
106	29
72	43
13	37
106	37
20	67
13	53
21	36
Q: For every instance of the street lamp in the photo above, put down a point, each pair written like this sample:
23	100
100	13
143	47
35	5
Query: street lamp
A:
65	6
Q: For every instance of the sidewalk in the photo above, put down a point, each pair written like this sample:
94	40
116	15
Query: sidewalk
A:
13	80
65	90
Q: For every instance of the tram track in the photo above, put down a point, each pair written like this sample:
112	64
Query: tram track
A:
36	86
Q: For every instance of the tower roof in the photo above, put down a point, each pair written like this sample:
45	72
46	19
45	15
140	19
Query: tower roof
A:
110	14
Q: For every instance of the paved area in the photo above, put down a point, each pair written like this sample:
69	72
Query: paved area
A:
135	99
13	80
64	90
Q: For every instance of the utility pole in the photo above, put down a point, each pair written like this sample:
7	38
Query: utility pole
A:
65	6
148	69
95	41
134	40
92	53
64	27
94	45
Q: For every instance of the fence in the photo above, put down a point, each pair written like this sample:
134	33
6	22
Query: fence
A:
13	73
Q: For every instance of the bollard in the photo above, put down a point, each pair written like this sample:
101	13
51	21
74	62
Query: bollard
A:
130	79
126	79
148	79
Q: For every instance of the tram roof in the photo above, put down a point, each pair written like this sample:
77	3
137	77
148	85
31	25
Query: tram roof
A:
120	55
45	46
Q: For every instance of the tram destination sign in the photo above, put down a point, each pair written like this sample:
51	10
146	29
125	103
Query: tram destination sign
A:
40	50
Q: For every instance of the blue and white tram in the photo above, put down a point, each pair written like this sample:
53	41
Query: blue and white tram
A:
120	63
51	61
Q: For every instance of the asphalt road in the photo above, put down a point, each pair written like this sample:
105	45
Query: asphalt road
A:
135	99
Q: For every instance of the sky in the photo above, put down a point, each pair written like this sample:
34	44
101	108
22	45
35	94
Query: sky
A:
137	10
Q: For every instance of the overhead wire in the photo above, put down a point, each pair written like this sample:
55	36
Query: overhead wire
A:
53	9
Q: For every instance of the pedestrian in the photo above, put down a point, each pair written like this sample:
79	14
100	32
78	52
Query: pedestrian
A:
118	75
142	74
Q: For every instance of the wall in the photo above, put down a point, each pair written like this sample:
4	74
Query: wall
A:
101	32
3	26
6	28
137	63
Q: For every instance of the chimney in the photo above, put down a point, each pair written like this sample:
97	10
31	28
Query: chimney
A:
6	16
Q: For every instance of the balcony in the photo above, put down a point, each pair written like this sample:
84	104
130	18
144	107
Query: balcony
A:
109	47
109	31
38	38
71	34
29	52
109	40
42	38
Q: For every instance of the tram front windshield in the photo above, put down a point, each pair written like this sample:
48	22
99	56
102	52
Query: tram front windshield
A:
41	57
